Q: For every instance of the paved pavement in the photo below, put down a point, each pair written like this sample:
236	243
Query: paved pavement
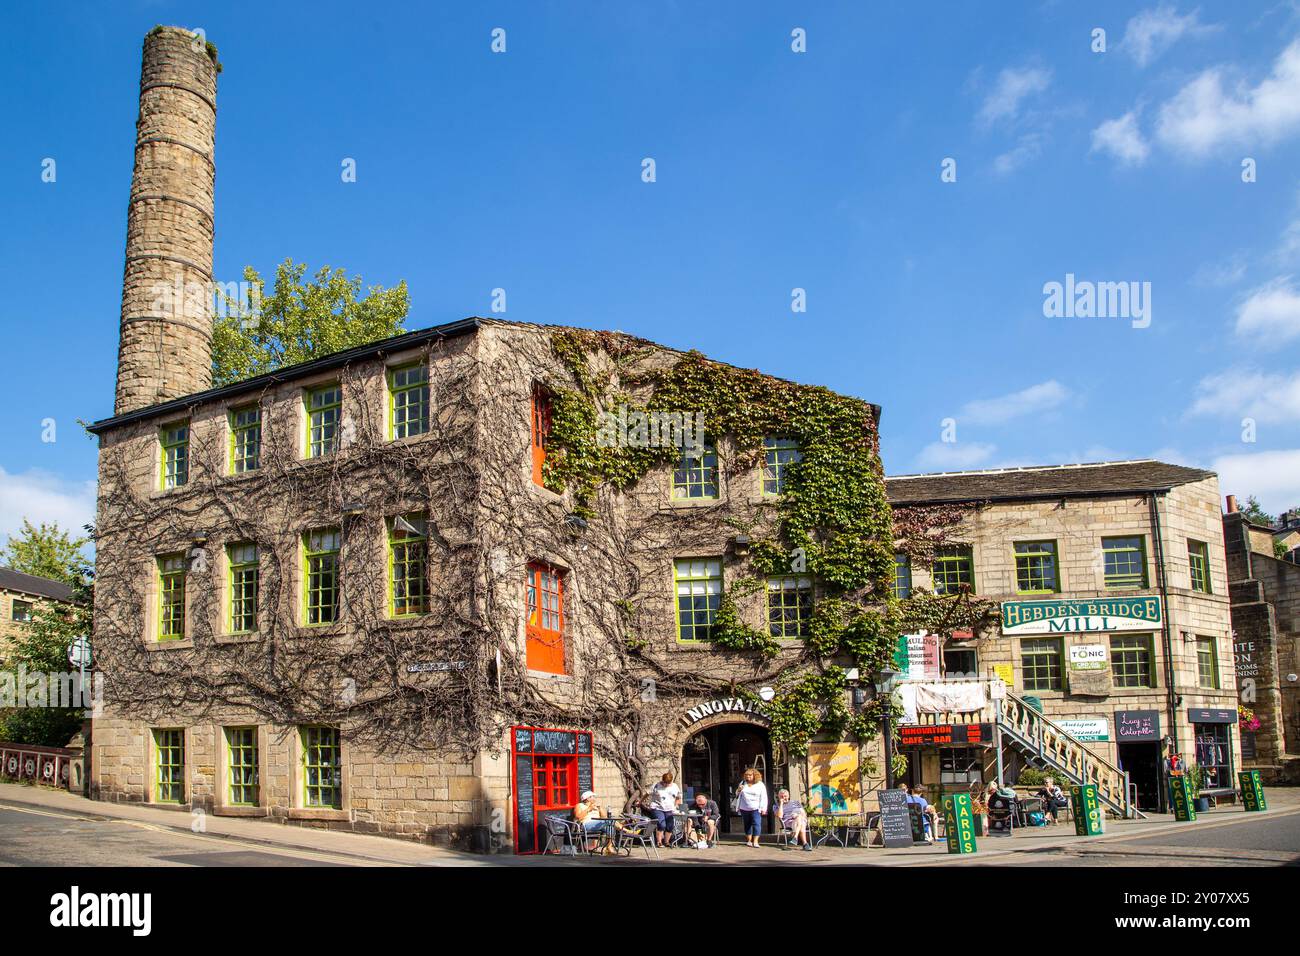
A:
40	827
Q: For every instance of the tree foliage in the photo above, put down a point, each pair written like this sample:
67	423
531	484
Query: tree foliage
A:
46	551
300	320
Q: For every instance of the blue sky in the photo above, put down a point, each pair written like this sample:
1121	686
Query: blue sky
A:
775	170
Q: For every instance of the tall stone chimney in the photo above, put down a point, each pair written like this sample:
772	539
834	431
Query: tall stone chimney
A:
165	350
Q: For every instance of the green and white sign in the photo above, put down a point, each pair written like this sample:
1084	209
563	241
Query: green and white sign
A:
959	823
1090	729
1071	617
1088	817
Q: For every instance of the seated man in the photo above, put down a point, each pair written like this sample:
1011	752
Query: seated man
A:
793	817
928	815
591	817
703	828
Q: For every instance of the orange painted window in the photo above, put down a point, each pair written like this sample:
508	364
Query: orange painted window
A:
541	429
545	630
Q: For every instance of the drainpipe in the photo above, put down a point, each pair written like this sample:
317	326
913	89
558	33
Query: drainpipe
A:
1171	694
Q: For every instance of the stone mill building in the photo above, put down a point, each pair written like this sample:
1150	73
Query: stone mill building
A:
438	585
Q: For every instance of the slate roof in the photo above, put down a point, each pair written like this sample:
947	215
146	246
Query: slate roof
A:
1094	479
11	580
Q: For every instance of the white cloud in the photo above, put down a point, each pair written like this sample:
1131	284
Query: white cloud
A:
1269	398
41	496
1203	116
995	411
954	456
1154	31
1013	86
1271	312
1029	148
1225	272
1271	476
1122	139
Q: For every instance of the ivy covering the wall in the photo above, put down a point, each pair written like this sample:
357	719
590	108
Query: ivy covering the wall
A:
833	521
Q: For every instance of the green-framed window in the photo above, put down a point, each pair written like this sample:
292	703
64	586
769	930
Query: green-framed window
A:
1198	560
1124	562
171	597
408	400
696	475
241	766
954	566
902	576
175	442
245	581
779	455
408	555
789	605
698	584
169	765
1207	663
1130	660
321	576
322	767
245	439
1040	663
1036	567
324	413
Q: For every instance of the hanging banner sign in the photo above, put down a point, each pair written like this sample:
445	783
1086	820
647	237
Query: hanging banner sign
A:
1066	617
917	656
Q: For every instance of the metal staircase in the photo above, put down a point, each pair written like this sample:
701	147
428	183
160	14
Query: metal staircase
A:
1045	743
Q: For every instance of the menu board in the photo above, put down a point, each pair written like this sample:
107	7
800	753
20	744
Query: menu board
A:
554	742
895	821
584	774
524	815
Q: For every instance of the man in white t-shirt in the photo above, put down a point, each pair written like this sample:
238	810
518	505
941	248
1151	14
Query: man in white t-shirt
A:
665	796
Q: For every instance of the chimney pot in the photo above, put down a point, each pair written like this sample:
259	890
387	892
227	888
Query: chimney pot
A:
1232	504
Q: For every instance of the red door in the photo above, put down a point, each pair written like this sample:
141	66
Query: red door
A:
554	782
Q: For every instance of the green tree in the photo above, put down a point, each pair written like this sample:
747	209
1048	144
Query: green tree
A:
1255	514
300	320
47	552
40	646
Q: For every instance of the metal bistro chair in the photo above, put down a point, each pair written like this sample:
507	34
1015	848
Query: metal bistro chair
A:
638	831
567	833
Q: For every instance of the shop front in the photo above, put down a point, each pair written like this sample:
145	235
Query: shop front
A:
1137	745
549	771
726	737
1212	734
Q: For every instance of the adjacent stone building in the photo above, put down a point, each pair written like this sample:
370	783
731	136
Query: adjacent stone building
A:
21	594
1114	598
1265	593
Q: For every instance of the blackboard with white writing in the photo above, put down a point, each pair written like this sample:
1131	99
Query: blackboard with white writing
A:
524	813
895	821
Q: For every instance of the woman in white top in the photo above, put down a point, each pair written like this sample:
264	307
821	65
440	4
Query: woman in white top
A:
751	801
664	798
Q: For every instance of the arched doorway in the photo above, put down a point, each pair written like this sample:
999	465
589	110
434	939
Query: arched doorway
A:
714	758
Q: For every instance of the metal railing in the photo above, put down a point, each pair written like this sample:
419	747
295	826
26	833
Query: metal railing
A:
1041	738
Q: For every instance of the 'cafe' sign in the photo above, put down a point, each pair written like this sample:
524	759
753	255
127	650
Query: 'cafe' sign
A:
1066	617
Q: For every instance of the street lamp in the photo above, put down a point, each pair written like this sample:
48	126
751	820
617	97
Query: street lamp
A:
884	689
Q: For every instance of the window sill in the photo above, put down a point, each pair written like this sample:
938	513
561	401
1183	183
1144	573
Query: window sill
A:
694	502
249	638
319	813
547	675
156	645
546	494
220	811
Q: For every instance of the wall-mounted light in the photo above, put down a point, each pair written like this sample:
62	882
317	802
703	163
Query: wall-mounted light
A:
199	539
765	694
351	509
575	521
740	545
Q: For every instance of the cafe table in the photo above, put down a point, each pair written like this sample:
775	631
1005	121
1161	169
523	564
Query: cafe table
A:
852	823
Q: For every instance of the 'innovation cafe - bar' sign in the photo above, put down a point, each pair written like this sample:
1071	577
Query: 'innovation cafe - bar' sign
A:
1068	617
